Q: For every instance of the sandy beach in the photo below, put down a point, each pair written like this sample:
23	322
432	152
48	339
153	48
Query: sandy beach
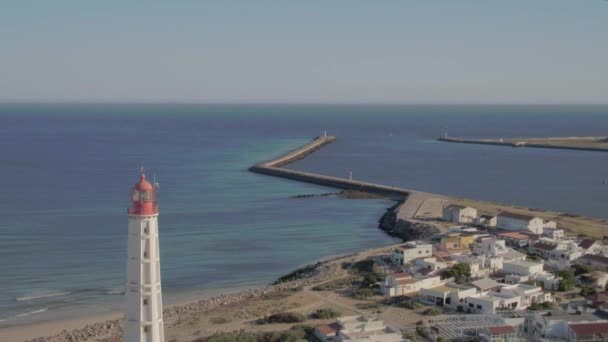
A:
108	327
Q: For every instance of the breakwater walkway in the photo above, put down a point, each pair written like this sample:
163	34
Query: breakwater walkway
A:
524	143
274	168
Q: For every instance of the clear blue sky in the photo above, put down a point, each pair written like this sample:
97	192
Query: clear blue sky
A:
425	51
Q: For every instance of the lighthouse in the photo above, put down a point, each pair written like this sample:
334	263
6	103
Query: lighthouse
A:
144	304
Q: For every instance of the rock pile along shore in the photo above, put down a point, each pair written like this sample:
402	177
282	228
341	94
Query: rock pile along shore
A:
112	330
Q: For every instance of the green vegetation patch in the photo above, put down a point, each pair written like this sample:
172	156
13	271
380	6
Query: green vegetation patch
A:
541	306
326	313
296	333
334	285
300	273
284	317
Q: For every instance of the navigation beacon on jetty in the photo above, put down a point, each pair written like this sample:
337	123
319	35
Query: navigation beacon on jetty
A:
144	304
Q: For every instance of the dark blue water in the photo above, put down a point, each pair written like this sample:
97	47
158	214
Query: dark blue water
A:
66	170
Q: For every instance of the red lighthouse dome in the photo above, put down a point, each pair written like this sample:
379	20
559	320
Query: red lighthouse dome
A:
143	198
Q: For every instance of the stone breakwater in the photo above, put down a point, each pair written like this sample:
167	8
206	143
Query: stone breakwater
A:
275	168
112	330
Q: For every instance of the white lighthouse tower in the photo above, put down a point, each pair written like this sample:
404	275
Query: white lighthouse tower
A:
144	304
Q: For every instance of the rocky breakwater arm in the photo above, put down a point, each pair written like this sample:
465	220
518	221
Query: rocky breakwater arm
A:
393	224
274	168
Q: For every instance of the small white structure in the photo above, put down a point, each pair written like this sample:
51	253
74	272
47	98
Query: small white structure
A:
524	268
487	221
401	284
450	295
490	247
553	233
409	251
459	214
144	304
357	329
512	221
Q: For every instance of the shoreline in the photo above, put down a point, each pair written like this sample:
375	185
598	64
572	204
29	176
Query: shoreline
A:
540	143
109	326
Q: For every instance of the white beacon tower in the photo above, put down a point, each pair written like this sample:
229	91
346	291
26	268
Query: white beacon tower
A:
144	303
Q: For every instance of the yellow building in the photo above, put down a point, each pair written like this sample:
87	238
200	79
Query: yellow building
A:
457	242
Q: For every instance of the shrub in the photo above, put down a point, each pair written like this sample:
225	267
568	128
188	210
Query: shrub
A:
581	269
333	285
431	312
410	304
296	333
567	282
300	273
219	320
362	267
422	331
363	293
285	317
325	314
587	290
541	306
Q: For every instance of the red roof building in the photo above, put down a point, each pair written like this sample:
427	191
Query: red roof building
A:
596	331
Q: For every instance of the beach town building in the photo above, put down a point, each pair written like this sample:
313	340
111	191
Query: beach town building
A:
357	329
549	224
515	272
409	251
144	305
459	242
555	326
589	246
500	333
588	331
487	221
401	284
514	297
522	267
560	253
490	247
450	294
512	221
481	266
553	233
515	239
459	214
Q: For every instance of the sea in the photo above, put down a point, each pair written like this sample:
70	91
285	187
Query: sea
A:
66	171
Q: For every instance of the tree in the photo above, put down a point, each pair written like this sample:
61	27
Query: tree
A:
461	272
582	269
567	281
587	290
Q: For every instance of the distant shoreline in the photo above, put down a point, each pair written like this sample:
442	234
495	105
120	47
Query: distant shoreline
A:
595	144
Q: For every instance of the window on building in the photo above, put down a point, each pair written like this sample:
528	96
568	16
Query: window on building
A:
471	305
145	254
479	306
145	329
145	301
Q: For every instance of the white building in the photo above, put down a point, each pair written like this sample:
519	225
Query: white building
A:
512	221
357	329
409	251
514	297
524	268
450	294
553	233
490	247
144	304
401	284
486	221
481	266
459	214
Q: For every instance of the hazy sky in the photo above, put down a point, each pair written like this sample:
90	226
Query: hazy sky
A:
426	51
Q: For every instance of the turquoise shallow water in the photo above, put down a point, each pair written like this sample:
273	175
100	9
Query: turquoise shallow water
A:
66	170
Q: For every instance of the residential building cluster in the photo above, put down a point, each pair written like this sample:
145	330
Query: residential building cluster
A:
513	261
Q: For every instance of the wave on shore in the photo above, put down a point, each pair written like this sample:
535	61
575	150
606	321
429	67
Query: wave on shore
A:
20	299
32	312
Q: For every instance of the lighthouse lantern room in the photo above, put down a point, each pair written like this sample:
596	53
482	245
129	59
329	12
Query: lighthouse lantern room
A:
144	304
